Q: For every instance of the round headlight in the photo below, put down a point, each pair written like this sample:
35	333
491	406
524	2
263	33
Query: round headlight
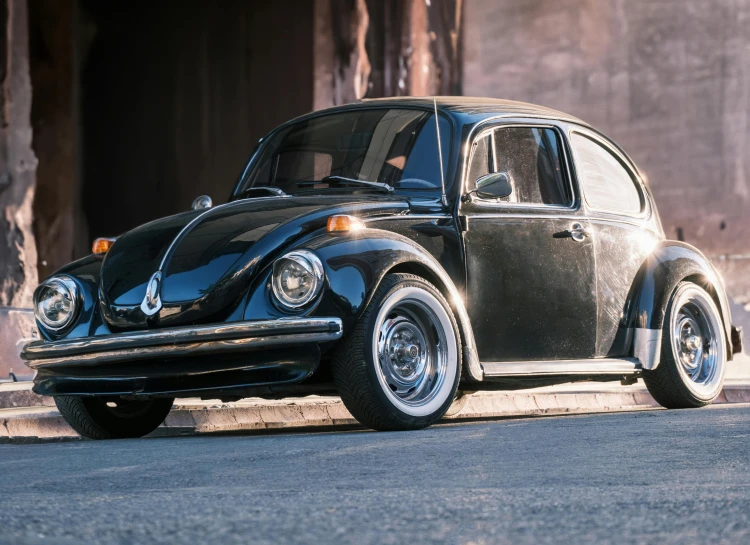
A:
297	278
55	302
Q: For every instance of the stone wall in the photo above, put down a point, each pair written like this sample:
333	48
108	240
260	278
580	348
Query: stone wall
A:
18	276
668	80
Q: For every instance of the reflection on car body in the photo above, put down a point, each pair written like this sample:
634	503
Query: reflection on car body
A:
392	251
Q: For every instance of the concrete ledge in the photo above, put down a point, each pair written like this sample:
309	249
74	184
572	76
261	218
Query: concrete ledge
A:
191	417
15	395
17	327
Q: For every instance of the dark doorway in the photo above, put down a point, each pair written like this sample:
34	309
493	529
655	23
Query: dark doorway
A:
174	96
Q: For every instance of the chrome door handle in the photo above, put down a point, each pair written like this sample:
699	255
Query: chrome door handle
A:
578	232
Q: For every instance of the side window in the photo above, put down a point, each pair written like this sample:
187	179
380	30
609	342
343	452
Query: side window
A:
608	186
531	157
481	159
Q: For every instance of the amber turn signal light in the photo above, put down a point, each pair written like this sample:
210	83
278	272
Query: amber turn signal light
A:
102	245
344	224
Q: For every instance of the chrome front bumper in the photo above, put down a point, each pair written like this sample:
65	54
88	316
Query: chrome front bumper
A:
181	341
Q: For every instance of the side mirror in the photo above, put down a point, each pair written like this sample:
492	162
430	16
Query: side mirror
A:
204	201
494	186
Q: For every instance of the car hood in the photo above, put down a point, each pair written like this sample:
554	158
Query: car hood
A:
207	257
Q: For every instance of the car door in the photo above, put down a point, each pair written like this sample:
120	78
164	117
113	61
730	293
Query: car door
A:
531	286
624	233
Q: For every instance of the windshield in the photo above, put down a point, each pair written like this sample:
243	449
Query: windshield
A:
397	147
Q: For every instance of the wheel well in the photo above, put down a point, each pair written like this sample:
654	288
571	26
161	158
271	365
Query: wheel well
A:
704	283
425	272
418	269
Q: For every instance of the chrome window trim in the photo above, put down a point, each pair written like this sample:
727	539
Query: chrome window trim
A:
482	128
629	220
589	218
627	164
489	204
408	217
529	216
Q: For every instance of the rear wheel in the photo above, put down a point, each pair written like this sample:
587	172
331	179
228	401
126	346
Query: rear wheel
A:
399	368
113	418
694	351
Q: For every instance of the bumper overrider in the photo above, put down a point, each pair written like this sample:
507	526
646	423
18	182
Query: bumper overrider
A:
177	360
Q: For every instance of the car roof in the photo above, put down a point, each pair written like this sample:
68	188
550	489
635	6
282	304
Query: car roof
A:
470	110
473	110
475	106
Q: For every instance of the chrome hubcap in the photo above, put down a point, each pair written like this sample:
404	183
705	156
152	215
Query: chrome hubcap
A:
404	355
412	352
695	341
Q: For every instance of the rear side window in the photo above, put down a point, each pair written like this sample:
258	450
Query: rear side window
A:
607	184
532	159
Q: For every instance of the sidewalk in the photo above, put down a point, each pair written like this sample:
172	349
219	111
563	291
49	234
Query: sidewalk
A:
19	424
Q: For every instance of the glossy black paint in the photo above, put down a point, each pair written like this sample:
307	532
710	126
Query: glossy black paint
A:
520	287
85	272
670	263
622	247
207	269
531	292
355	264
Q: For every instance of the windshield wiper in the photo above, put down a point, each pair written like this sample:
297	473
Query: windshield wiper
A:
244	194
350	181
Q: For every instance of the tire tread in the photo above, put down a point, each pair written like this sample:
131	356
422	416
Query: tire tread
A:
665	384
350	372
93	425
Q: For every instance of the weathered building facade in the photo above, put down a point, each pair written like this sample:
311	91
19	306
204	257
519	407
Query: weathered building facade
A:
118	112
669	80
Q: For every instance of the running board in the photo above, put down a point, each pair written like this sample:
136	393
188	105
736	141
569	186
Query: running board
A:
607	366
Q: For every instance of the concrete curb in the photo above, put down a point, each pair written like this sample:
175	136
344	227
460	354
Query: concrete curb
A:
18	394
17	326
191	417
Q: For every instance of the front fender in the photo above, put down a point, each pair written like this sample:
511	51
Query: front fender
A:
85	272
669	264
356	263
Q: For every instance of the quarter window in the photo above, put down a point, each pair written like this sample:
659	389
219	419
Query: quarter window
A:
607	184
481	159
531	156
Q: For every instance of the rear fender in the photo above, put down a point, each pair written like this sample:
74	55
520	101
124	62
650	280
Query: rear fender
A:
671	263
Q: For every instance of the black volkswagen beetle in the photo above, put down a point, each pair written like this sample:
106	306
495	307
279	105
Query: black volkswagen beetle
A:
392	251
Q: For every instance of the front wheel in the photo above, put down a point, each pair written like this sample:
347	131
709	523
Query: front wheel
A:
399	368
694	351
113	418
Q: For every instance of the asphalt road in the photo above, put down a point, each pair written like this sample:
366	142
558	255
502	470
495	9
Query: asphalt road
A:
647	477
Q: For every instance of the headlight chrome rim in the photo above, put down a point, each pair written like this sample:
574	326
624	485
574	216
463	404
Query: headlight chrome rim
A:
64	284
308	261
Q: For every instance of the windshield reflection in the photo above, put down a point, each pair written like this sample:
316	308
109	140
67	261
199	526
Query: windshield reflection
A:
396	147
